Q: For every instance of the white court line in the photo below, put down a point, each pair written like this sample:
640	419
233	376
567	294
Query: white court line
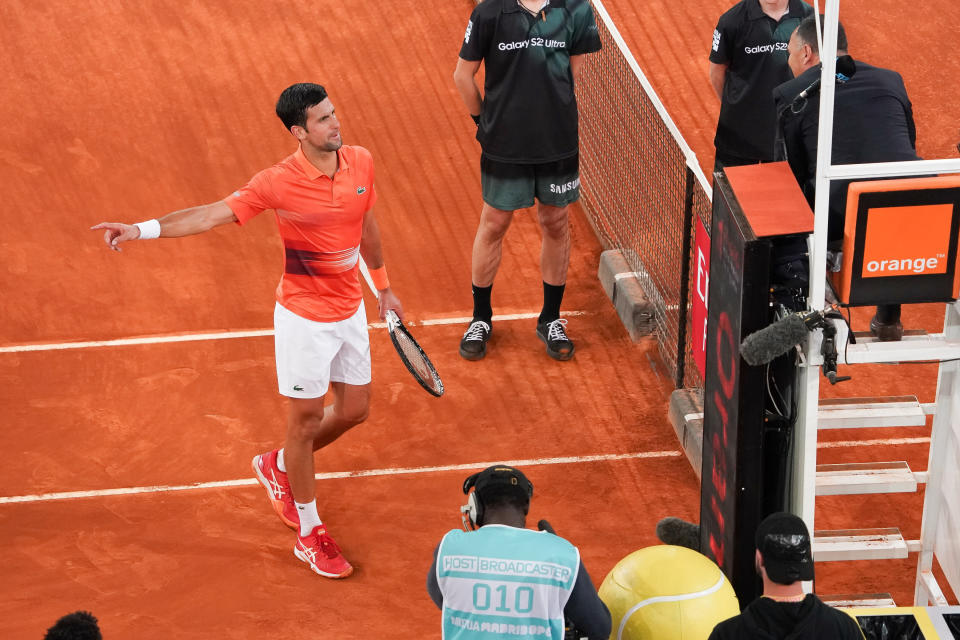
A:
243	482
226	335
123	342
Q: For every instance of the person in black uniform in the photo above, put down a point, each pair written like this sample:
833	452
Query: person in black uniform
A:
872	122
527	127
748	59
783	560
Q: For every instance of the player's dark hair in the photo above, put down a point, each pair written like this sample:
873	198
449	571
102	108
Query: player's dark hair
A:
505	496
807	32
79	625
295	100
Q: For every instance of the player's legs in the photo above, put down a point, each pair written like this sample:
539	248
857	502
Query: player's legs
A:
555	245
312	426
304	419
304	350
488	247
315	360
557	185
506	188
309	422
487	252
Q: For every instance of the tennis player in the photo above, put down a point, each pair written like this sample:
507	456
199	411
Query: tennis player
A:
527	128
323	196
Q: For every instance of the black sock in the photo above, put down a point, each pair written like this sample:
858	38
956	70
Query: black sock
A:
481	304
552	297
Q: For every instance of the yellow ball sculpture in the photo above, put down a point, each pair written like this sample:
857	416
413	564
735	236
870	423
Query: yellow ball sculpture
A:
667	593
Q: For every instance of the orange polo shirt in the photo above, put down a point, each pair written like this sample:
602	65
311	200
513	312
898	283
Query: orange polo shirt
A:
320	221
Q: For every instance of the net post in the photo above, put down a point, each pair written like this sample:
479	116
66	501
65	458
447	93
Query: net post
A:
687	234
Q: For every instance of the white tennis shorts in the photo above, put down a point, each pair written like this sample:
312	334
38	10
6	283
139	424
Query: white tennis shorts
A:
310	355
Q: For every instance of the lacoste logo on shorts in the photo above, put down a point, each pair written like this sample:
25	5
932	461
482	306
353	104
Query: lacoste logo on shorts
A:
361	190
297	387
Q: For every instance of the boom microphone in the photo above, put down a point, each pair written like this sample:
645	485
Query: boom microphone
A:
846	68
763	346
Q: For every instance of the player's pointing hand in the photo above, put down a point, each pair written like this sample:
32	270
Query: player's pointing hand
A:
117	232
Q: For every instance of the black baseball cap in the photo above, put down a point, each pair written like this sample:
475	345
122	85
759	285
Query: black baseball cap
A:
784	544
497	476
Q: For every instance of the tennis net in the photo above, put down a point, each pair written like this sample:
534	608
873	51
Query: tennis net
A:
641	187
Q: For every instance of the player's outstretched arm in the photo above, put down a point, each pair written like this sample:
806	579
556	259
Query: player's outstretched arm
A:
186	222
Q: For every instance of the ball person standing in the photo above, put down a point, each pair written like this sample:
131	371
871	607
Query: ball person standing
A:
527	127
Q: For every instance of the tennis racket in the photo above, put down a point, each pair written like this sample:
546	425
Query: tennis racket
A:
411	353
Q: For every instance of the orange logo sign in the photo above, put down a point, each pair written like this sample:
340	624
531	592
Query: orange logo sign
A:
907	241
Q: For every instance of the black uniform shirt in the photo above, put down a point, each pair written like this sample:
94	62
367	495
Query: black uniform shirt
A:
872	122
529	108
754	46
810	619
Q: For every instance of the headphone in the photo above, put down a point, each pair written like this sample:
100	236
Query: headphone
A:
472	513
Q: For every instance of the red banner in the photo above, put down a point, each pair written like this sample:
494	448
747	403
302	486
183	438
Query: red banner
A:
701	274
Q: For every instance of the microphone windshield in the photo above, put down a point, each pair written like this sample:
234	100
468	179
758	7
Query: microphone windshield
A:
679	532
765	345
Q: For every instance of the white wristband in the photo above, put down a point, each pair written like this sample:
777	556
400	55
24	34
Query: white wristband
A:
149	229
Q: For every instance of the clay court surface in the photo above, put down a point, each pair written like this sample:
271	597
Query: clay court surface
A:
115	111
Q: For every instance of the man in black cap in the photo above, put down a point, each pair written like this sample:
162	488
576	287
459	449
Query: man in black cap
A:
784	559
498	579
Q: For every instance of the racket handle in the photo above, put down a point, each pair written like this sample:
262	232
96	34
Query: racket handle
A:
393	320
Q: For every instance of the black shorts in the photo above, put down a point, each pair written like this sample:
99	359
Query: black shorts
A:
509	186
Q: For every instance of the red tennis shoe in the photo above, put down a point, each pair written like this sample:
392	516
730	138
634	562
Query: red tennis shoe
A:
322	554
277	486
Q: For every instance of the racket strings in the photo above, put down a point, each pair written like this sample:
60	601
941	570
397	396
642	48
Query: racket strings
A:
417	359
